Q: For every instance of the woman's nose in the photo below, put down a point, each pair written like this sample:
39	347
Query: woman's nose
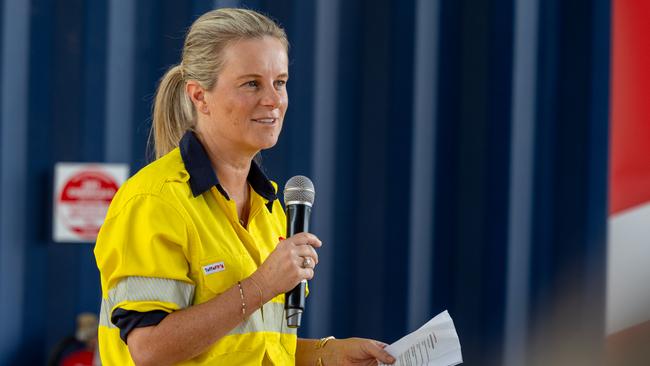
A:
271	98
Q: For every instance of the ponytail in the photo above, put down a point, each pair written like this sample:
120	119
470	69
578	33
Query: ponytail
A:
173	113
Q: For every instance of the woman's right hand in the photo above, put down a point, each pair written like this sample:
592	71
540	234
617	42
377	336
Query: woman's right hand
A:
283	269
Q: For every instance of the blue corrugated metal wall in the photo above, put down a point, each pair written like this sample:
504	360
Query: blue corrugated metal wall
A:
508	98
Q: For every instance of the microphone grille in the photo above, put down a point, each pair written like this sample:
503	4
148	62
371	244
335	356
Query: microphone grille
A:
299	190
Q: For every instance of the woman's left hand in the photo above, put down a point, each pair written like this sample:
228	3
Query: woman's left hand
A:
359	351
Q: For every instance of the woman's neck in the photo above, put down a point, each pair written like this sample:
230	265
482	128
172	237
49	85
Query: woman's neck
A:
232	168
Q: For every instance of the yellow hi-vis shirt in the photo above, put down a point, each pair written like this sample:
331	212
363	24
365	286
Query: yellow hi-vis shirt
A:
171	239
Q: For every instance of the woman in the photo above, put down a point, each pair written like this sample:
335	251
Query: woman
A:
192	260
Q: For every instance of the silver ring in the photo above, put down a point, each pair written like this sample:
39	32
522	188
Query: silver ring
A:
306	263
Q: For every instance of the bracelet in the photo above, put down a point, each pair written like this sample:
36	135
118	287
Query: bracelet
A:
320	345
323	341
260	289
243	303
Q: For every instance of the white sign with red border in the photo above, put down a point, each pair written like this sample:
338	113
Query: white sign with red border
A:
82	194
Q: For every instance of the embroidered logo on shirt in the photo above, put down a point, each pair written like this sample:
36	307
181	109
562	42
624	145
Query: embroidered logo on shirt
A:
214	268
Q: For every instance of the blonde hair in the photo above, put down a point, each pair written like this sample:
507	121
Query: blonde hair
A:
210	34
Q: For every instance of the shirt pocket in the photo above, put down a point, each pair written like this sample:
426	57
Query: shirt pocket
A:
218	274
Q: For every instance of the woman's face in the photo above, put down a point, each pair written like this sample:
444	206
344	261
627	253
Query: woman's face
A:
246	107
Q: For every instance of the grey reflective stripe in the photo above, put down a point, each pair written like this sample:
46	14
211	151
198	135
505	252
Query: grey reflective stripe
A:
104	317
146	289
181	293
272	321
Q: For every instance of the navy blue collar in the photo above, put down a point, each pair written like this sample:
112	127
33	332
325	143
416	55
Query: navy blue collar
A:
202	176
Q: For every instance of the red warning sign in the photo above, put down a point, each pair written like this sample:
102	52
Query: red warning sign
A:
84	201
82	197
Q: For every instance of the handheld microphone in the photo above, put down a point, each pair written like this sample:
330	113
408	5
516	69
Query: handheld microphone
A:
298	198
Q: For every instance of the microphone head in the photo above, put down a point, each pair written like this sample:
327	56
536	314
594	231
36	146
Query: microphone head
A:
299	190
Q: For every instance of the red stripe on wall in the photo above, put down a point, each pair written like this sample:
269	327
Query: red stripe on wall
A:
630	120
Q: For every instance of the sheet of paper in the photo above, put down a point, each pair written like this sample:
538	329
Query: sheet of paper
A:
435	343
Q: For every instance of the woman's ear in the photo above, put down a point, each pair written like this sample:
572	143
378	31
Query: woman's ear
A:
197	95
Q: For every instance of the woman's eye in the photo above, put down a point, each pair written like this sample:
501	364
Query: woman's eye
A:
251	84
280	83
